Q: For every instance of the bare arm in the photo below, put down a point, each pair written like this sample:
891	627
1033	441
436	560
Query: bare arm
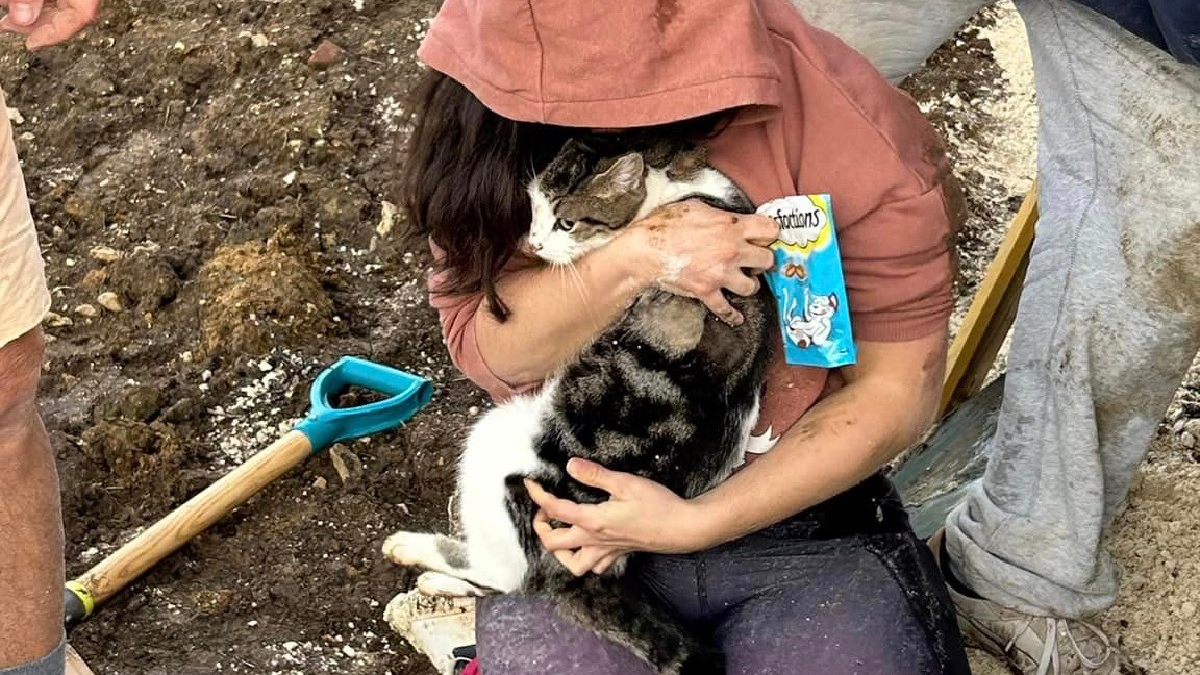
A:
690	249
842	440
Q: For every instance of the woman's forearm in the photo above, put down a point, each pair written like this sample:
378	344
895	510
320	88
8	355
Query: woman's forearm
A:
688	249
556	311
838	443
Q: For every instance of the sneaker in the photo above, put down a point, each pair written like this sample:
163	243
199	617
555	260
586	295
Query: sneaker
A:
441	628
1035	645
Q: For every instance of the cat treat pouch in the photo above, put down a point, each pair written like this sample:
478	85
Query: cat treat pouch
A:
808	284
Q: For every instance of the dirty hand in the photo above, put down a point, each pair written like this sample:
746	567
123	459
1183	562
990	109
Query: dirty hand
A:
640	515
48	23
696	250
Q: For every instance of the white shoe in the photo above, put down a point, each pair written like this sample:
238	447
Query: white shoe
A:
1035	645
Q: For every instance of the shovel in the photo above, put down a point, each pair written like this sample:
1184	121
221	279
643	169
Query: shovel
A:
324	426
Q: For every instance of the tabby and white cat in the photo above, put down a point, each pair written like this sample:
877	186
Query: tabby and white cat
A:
667	392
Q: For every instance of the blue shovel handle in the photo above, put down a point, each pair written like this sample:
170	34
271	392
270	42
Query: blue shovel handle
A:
326	425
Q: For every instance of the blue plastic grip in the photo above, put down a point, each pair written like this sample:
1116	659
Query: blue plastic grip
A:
326	425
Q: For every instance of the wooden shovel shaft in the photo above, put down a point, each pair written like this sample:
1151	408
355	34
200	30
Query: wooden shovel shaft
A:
194	516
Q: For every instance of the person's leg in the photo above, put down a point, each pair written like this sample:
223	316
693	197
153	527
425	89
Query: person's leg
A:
525	636
1108	324
31	537
862	604
896	36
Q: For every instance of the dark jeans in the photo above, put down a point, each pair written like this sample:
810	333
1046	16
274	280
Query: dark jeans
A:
843	588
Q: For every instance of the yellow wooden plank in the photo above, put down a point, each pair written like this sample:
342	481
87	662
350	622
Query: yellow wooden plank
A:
75	664
986	315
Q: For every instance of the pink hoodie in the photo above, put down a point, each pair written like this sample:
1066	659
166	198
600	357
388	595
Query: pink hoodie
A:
816	118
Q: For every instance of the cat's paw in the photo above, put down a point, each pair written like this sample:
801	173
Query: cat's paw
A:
438	585
415	549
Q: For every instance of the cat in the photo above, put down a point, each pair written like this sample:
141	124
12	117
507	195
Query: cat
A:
814	325
667	392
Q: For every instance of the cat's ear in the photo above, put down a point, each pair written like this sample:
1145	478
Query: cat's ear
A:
571	164
624	177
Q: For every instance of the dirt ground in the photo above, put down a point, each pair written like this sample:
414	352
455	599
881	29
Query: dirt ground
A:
217	216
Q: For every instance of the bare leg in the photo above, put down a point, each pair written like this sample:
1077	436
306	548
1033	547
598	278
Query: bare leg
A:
31	535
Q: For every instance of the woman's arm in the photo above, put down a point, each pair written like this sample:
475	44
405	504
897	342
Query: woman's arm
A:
689	249
889	399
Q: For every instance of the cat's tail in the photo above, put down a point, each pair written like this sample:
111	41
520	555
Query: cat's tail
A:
620	611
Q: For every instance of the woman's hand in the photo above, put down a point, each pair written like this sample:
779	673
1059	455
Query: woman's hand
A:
695	250
640	515
48	23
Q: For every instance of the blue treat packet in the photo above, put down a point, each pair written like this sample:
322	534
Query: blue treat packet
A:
807	280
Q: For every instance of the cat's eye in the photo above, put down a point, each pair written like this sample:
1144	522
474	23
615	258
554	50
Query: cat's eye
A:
564	225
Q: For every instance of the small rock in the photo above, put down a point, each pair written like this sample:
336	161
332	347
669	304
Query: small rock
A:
473	410
110	301
320	483
289	178
15	116
101	87
345	462
1187	439
183	410
387	219
86	310
57	321
136	403
349	651
94	278
259	40
105	254
326	53
1187	610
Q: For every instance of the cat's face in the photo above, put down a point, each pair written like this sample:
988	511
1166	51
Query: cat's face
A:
580	202
821	306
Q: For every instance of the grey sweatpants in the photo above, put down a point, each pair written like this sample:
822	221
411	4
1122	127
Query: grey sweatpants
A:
1109	319
1110	314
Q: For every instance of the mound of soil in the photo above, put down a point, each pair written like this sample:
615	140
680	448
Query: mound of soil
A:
256	297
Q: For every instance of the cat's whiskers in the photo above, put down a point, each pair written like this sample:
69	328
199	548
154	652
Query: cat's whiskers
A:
576	278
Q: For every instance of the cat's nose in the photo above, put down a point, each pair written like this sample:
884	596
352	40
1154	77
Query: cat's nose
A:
535	247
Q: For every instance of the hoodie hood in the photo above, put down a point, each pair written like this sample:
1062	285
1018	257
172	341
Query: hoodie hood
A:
606	63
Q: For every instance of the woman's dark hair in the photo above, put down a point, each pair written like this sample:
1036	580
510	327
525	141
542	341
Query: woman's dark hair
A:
467	170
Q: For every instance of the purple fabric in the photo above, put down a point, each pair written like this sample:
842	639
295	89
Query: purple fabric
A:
771	602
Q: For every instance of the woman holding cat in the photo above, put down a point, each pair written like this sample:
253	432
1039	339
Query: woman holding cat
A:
805	555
